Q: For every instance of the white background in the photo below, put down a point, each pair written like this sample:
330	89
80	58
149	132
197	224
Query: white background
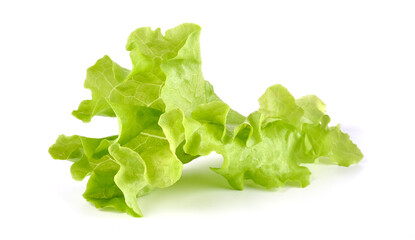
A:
357	56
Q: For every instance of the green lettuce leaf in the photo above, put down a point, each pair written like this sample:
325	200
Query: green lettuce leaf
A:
168	115
185	87
103	192
142	85
270	145
140	158
91	157
319	140
277	104
101	79
84	152
122	167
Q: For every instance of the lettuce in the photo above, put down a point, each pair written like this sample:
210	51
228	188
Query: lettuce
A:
169	115
270	145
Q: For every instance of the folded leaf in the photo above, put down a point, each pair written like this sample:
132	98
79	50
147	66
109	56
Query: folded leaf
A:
185	87
314	109
101	79
103	192
131	177
278	104
319	140
86	153
140	132
168	115
270	163
269	146
90	157
330	142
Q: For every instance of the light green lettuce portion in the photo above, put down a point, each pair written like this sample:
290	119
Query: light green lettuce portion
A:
101	79
91	157
185	87
186	93
329	142
123	167
103	192
270	163
85	153
143	154
149	51
320	140
131	176
270	145
314	109
277	104
168	115
140	132
142	85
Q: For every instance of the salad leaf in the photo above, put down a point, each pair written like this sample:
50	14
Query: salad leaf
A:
90	157
269	146
101	80
103	192
85	153
278	104
185	87
319	140
140	158
169	115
